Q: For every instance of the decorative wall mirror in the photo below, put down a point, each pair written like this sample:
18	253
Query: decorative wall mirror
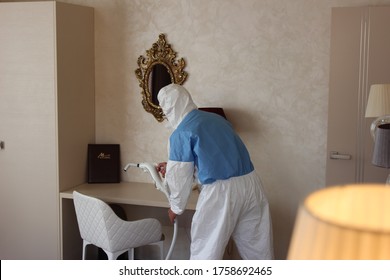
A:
158	69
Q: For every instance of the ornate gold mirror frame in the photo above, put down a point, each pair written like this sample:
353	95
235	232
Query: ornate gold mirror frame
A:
158	69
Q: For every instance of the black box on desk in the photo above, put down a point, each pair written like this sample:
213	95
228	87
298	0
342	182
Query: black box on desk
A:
103	163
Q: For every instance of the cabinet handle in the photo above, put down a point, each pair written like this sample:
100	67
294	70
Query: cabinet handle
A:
337	155
2	145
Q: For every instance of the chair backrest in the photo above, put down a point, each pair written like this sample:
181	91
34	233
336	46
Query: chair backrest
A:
100	225
94	218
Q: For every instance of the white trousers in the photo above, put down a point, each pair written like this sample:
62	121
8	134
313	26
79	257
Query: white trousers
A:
236	208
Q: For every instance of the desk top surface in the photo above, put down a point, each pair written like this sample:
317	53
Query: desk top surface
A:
134	193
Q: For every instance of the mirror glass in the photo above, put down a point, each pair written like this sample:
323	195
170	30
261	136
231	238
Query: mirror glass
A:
158	68
159	77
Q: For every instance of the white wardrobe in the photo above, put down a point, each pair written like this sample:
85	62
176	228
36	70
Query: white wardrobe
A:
360	57
47	118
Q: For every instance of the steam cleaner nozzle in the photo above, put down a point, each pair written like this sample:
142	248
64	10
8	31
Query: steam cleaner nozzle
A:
130	165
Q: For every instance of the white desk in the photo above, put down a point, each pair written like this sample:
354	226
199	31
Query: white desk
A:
127	193
133	193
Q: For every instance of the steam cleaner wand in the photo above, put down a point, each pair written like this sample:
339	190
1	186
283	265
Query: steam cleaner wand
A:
159	184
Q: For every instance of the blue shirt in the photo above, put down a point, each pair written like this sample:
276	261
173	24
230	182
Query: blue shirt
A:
209	141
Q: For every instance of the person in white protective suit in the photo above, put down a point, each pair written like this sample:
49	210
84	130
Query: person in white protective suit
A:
231	202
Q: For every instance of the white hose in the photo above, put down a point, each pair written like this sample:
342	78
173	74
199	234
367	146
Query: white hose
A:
173	242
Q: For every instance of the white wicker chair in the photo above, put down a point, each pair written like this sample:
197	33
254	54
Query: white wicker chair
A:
100	226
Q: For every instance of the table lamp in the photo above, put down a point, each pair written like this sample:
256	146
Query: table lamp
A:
381	155
349	222
378	106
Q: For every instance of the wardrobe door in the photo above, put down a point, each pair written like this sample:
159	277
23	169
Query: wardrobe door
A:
28	168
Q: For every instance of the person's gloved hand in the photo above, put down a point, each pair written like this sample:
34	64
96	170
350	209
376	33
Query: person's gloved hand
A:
171	215
161	168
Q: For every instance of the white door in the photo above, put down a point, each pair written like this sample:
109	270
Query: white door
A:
360	43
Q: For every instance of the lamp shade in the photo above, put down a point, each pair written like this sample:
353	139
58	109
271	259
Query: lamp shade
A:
343	222
381	155
378	103
215	110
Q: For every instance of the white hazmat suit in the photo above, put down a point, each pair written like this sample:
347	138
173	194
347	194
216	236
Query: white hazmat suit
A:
232	202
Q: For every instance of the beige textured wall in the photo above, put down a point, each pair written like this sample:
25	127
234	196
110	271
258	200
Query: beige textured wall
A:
265	62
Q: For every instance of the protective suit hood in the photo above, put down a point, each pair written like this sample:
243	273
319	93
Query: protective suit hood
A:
175	102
